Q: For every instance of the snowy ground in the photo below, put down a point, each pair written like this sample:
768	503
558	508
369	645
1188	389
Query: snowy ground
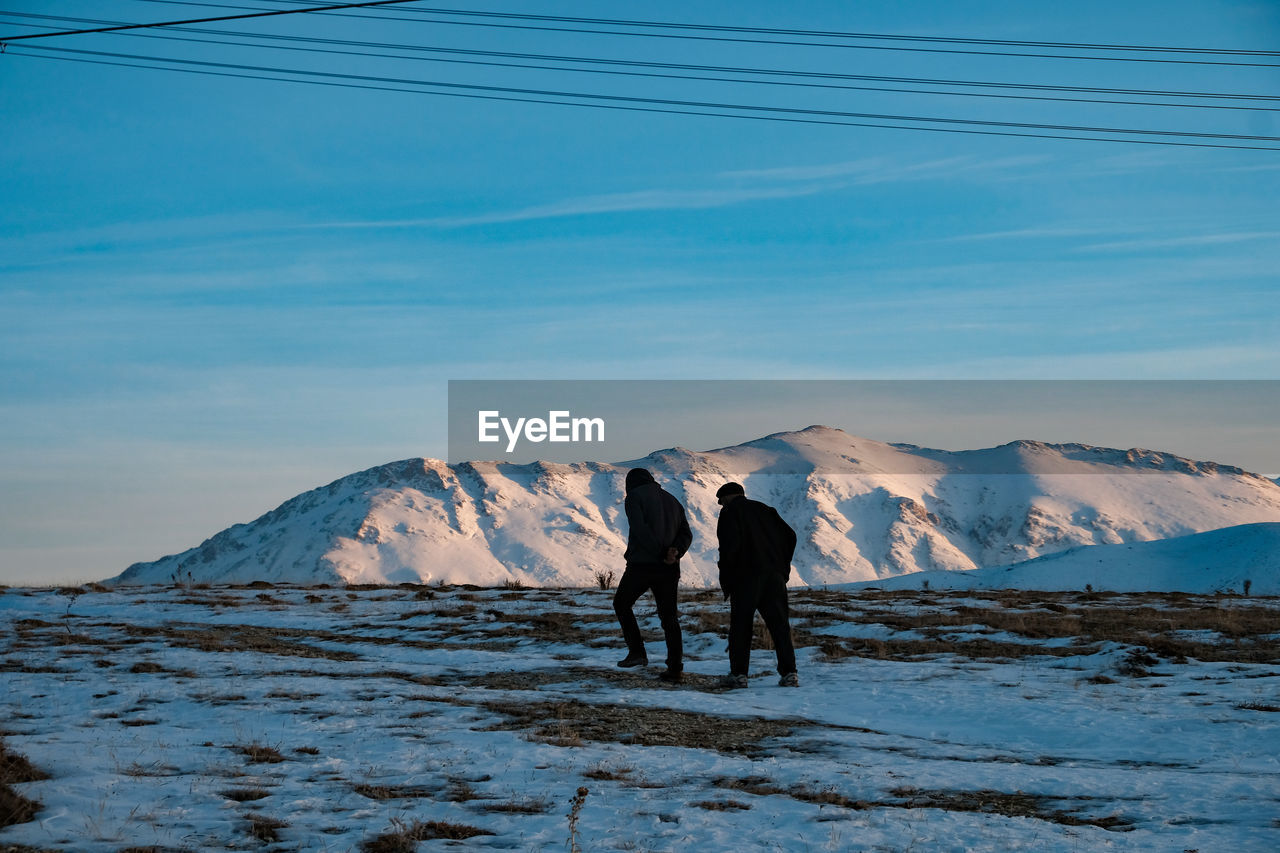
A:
363	719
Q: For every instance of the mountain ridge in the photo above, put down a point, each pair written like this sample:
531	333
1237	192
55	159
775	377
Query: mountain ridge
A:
863	509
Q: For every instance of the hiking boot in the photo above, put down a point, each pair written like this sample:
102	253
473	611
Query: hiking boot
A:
634	660
672	676
733	682
789	679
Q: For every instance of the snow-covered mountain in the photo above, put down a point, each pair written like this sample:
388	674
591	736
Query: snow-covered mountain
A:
863	510
1233	559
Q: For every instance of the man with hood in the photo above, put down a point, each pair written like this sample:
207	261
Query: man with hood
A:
659	537
756	547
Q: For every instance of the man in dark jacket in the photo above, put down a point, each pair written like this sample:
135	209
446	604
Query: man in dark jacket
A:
659	537
755	561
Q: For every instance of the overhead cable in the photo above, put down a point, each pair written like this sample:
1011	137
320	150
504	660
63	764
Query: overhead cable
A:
781	42
238	39
120	27
832	34
684	107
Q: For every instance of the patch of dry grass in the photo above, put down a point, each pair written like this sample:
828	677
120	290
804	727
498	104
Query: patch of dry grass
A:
247	638
292	695
154	770
258	753
1258	706
550	626
1015	804
404	837
146	666
570	723
15	769
1171	626
528	805
265	828
460	790
394	792
458	611
520	680
761	786
602	772
918	649
721	805
1002	803
246	795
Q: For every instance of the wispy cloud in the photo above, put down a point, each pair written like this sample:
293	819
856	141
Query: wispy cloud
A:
1258	167
1183	242
1137	162
1044	233
885	170
820	172
746	186
630	202
168	232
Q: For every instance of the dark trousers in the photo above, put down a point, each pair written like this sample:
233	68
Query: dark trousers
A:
638	579
769	596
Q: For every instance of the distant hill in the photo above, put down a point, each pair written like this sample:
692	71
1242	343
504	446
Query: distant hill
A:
1223	560
863	509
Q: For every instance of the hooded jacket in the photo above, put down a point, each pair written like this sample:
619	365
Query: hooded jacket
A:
656	519
755	543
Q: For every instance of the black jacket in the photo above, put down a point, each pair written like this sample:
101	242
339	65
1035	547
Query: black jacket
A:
657	523
754	543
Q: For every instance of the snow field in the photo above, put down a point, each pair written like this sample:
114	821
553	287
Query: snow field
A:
331	719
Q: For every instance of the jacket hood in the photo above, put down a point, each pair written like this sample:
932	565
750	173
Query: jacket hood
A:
638	477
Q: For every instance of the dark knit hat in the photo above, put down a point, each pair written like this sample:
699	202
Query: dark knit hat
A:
730	489
638	477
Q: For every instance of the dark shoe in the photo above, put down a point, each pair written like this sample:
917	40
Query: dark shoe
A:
634	660
789	679
672	676
733	682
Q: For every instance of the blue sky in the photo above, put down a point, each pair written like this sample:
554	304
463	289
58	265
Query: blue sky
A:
216	293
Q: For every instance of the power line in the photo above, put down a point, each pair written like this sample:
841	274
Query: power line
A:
689	77
663	111
719	69
791	114
120	27
782	42
632	68
802	32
